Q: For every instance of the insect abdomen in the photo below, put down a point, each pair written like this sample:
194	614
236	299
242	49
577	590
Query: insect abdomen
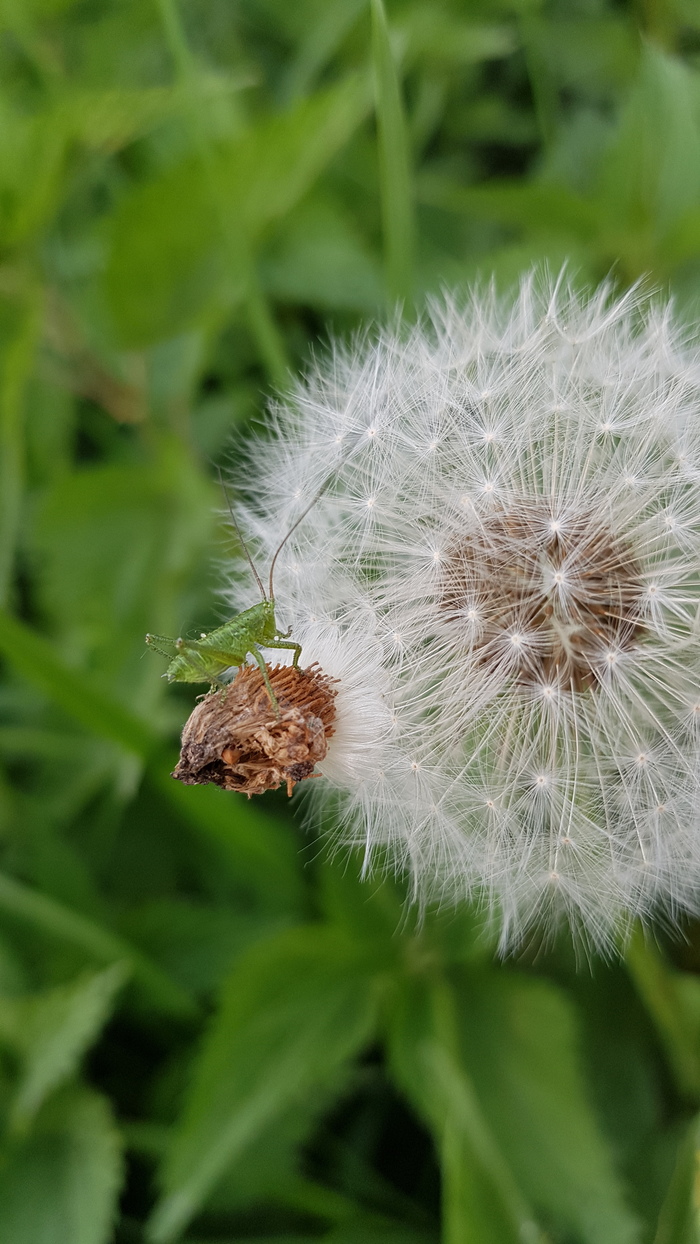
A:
190	666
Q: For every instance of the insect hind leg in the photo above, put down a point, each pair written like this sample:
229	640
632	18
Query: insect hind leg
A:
257	654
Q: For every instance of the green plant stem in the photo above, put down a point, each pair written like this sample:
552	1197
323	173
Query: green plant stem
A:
544	95
260	319
265	332
654	982
15	367
679	1217
395	181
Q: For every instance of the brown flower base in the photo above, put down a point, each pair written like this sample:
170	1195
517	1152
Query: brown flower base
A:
234	739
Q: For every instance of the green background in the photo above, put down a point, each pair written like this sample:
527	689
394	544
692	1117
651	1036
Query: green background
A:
210	1029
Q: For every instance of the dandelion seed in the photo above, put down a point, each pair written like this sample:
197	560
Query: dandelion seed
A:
547	695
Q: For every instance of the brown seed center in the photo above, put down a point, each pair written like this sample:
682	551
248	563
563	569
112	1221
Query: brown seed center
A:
549	599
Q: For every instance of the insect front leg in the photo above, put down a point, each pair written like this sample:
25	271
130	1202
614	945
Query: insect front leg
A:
255	652
280	643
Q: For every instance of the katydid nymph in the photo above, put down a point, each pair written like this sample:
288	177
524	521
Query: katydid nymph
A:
208	658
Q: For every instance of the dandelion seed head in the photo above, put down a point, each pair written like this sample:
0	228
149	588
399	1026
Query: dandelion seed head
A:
515	630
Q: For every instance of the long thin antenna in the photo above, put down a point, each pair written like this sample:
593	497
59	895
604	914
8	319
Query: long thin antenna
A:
294	526
239	533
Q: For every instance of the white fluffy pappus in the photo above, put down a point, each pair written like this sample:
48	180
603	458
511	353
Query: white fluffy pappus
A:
503	572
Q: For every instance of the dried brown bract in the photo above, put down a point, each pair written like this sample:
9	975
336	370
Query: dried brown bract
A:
233	738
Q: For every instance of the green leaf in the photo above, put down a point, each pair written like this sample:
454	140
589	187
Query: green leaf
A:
261	852
58	921
672	999
179	243
32	166
651	173
588	52
59	1185
368	910
366	1229
197	943
55	1030
115	543
267	1171
320	37
109	119
166	268
35	658
394	163
679	1220
535	205
268	170
481	1202
435	35
293	1012
520	1043
682	241
319	258
527	1122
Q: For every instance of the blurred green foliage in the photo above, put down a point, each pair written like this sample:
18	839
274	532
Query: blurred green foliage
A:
209	1029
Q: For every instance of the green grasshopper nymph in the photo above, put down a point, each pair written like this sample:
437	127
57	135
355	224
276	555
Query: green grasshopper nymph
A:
208	658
